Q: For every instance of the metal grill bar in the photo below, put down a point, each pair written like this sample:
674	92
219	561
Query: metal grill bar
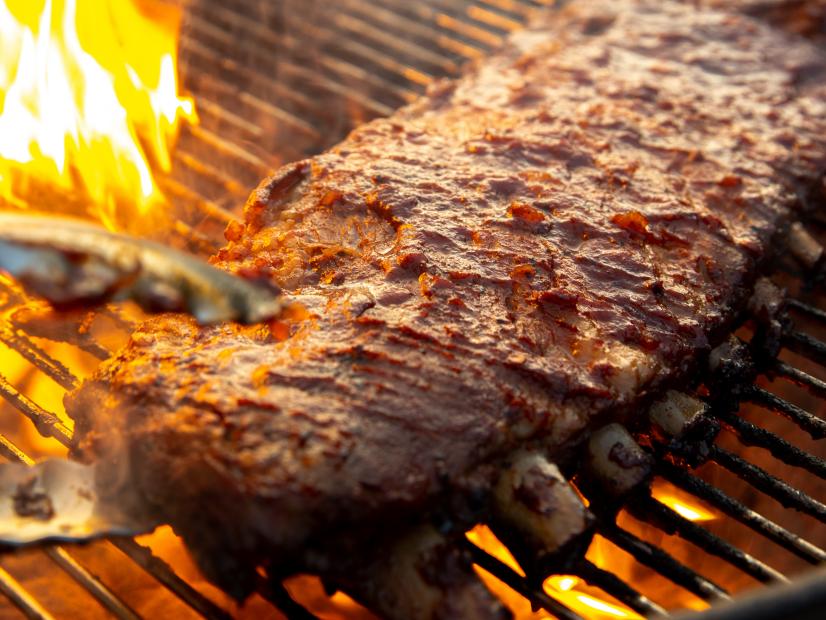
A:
514	580
265	56
655	558
714	496
204	208
229	149
807	345
752	435
47	423
11	452
811	311
816	427
813	384
254	55
770	485
514	7
200	57
98	590
244	22
425	35
660	515
212	86
20	598
421	57
37	357
617	588
451	22
167	577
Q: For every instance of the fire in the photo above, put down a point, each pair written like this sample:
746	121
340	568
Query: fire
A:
680	502
520	606
571	591
574	593
89	100
34	385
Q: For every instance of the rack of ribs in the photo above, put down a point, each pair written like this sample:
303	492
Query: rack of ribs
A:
541	246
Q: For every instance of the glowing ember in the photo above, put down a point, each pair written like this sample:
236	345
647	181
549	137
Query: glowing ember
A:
88	98
680	502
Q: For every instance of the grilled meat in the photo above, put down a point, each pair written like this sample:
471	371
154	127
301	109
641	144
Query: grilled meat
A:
547	242
804	17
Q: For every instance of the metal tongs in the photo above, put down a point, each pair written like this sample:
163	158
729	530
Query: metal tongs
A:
72	263
60	500
75	264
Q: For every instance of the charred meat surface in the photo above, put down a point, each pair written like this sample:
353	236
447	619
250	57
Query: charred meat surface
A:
543	244
803	17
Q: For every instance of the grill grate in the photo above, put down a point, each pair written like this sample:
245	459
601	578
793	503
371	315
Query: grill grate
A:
260	90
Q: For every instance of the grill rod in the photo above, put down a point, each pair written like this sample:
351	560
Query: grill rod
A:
25	602
664	563
813	384
760	479
616	587
752	435
658	514
138	554
816	427
503	572
714	496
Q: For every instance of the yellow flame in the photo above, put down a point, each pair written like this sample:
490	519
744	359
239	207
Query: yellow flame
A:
680	502
89	99
564	583
692	513
481	536
571	591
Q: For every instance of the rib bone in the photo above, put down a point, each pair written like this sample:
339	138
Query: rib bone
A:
533	498
616	461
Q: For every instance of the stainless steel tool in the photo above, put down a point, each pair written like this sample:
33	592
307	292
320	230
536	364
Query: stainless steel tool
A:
60	500
72	263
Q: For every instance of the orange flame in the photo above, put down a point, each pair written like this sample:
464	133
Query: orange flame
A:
576	595
571	591
88	98
680	502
